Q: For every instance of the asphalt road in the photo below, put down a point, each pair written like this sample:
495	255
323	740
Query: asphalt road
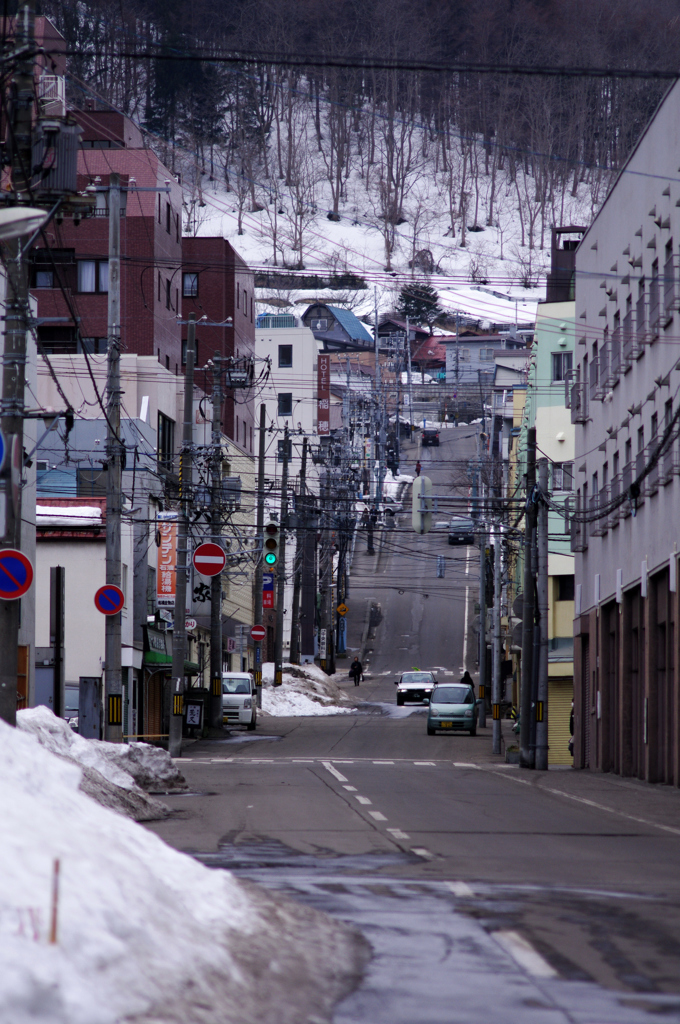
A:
489	893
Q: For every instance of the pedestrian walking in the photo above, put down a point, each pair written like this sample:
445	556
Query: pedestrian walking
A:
467	680
418	468
356	670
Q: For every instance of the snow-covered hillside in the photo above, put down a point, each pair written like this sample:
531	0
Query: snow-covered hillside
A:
485	253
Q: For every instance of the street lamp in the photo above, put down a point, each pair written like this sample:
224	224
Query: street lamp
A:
20	220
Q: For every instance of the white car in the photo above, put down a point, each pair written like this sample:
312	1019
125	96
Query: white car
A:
239	699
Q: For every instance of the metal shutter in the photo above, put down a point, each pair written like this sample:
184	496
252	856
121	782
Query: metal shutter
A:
560	696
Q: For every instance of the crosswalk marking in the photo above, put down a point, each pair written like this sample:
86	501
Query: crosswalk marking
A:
363	799
397	833
377	815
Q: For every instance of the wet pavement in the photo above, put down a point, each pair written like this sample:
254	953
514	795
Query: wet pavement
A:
449	952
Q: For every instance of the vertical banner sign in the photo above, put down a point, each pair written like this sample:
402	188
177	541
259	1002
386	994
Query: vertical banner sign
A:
323	647
323	403
166	577
267	589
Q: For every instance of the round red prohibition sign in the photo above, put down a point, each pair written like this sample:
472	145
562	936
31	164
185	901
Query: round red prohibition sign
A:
258	633
16	574
109	599
209	559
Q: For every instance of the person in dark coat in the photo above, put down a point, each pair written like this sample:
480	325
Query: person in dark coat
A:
467	680
418	468
356	670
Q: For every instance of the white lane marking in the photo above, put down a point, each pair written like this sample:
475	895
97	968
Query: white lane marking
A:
302	760
334	771
335	761
593	803
611	810
383	762
524	954
397	833
459	888
363	799
431	763
350	789
377	815
464	764
422	852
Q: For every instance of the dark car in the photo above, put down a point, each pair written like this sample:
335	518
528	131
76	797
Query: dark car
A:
431	436
461	530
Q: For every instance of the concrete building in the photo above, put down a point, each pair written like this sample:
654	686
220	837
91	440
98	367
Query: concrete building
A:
624	403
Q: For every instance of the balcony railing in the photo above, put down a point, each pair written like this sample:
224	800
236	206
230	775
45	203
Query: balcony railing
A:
671	288
655	309
614	493
615	356
642	332
579	402
669	462
579	531
628	341
626	481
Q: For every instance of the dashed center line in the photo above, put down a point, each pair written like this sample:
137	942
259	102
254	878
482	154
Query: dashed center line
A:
383	762
429	763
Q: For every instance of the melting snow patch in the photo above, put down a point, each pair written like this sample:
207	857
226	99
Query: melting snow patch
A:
142	932
306	690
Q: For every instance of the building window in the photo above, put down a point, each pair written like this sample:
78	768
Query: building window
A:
285	404
167	362
93	275
166	442
565	588
91	483
486	355
159	286
168	212
44	279
168	302
563	476
285	356
319	325
96	346
463	355
190	285
562	363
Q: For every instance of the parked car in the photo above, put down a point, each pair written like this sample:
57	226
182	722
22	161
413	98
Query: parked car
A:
452	706
239	699
415	686
430	436
71	705
461	530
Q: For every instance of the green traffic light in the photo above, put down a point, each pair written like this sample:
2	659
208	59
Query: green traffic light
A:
270	559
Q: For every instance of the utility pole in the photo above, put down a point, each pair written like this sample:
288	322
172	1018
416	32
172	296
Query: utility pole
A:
259	565
526	684
281	566
175	710
297	569
308	591
482	628
216	531
496	678
542	595
410	380
113	674
457	362
16	325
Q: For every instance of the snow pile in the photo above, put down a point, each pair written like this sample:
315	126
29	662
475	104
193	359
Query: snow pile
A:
306	690
143	932
117	775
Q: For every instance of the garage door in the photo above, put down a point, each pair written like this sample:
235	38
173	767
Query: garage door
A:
560	696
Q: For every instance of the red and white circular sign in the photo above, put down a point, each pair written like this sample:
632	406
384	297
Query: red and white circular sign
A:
258	633
209	559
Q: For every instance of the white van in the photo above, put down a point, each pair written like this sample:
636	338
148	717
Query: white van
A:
239	700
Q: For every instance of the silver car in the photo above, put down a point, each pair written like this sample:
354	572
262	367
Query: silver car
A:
415	686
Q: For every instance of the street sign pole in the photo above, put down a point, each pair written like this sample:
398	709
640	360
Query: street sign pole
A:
16	312
113	672
216	531
281	567
259	565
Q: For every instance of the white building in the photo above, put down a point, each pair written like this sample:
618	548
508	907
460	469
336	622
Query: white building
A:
626	409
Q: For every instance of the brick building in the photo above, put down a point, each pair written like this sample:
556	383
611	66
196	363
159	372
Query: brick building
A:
219	286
